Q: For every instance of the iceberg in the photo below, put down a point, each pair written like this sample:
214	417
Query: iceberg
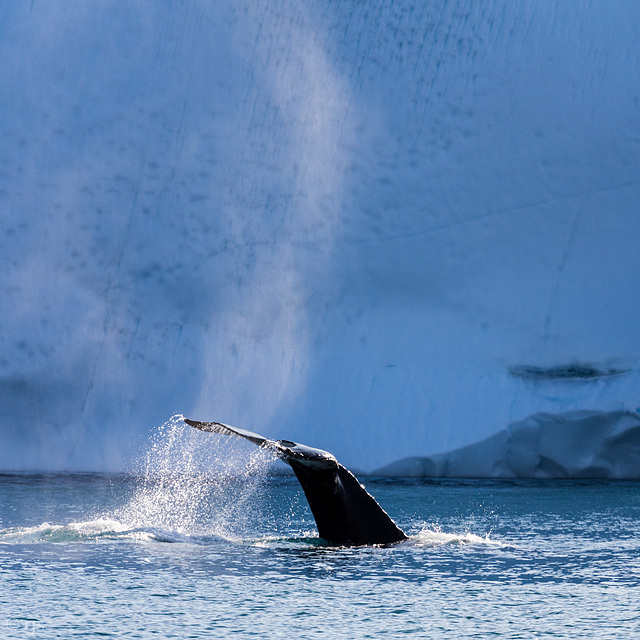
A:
577	444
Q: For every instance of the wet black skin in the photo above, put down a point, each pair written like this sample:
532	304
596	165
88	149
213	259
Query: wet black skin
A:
345	513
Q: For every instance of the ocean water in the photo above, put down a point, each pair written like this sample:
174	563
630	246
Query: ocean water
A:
173	550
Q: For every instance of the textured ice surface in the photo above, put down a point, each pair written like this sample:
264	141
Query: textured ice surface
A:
342	224
579	444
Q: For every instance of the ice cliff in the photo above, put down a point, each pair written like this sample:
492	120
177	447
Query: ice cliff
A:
383	229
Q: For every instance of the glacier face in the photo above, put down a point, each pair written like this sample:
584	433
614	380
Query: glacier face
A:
352	226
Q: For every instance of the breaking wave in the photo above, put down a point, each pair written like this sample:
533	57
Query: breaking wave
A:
100	530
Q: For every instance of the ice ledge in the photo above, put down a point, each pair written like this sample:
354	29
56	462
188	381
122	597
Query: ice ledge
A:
578	444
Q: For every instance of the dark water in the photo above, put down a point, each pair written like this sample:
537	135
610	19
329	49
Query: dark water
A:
194	555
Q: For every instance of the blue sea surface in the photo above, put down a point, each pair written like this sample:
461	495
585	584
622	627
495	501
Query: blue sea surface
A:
485	559
207	538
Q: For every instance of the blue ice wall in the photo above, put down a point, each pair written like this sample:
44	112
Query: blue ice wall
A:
377	228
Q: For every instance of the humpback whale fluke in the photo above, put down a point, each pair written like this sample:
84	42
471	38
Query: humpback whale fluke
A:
343	510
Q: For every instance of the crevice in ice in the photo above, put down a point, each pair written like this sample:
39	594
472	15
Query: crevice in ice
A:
571	371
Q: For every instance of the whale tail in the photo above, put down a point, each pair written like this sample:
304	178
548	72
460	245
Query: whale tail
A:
345	513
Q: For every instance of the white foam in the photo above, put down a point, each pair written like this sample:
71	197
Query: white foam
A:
100	530
28	534
435	537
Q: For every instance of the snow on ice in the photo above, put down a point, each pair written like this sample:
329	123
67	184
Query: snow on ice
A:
578	444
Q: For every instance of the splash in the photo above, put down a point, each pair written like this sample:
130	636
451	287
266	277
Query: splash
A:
435	538
197	485
188	487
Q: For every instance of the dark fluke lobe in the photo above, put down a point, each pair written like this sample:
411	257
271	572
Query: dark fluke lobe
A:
345	513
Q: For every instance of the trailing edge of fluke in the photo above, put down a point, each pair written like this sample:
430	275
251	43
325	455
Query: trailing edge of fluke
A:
344	512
